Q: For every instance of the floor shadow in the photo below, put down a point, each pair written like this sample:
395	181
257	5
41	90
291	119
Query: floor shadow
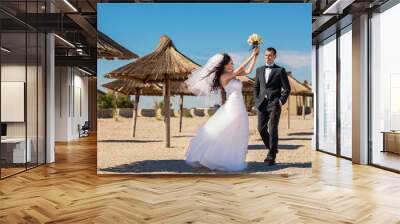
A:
293	139
289	147
183	136
262	167
151	166
300	133
256	147
128	141
280	147
180	166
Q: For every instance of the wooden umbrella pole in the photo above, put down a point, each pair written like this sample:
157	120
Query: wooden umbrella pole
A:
181	113
166	93
136	105
303	110
288	115
312	105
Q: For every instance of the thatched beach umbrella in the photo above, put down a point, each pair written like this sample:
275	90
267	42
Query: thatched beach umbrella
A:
164	64
308	86
125	87
108	49
179	88
248	88
297	89
137	88
248	85
129	88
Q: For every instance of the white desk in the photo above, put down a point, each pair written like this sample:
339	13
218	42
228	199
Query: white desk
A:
19	153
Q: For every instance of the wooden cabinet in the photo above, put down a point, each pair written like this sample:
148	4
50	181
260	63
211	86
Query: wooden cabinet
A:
391	142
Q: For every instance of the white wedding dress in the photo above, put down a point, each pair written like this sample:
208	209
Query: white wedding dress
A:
221	143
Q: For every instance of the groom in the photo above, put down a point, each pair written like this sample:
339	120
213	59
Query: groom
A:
271	91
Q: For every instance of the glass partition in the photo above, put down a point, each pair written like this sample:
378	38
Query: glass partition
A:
385	89
13	95
346	92
327	95
22	77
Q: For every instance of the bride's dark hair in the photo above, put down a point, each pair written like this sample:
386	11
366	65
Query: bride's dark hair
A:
219	70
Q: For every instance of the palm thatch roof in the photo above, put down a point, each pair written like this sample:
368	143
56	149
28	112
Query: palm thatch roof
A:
164	60
131	87
125	87
108	49
177	88
297	88
100	92
306	84
248	85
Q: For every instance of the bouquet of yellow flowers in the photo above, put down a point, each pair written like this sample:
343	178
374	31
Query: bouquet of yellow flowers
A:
254	40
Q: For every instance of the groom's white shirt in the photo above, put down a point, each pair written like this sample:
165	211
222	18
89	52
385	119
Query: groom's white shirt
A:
267	73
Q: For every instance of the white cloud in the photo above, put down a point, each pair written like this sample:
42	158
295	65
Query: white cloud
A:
238	57
294	59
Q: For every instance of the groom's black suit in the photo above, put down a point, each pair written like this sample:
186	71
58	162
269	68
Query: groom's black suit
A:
268	96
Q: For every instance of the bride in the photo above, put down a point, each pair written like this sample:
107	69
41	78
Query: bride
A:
221	143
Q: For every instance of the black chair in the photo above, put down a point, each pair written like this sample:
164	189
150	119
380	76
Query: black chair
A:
84	130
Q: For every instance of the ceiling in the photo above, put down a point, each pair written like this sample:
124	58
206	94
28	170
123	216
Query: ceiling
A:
76	21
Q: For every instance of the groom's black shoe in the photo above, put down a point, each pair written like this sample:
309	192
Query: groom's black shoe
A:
270	160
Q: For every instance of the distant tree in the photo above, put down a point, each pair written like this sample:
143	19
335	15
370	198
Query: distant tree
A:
110	100
106	101
124	101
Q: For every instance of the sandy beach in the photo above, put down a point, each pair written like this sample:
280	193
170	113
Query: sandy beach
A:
119	153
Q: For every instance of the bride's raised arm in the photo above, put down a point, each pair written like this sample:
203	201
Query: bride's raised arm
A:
249	62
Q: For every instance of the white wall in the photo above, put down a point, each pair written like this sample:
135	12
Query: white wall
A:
13	101
79	112
12	73
71	94
61	103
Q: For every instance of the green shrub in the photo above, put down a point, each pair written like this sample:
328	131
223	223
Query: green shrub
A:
186	113
106	101
160	105
124	102
110	101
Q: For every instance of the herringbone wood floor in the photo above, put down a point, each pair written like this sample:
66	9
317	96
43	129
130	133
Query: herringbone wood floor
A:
69	191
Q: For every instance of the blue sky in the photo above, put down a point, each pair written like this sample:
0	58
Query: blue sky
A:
202	30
